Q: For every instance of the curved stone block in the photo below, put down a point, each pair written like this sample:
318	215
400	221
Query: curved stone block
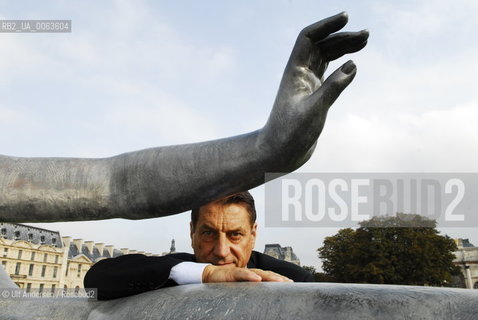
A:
260	301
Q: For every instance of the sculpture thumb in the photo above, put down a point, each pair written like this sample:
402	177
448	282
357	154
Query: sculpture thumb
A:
335	84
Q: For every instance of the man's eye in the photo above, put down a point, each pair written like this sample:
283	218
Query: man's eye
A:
208	235
236	235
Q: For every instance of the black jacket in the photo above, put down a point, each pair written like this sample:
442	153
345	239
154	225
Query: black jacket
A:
135	273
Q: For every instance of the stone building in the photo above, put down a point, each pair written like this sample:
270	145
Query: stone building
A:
281	253
37	258
467	260
33	257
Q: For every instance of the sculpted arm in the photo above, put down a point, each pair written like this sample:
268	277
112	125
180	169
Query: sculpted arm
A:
167	180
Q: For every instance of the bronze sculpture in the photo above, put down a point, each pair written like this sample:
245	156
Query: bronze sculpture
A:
167	180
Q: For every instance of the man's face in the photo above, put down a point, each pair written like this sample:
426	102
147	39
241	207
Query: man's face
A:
223	235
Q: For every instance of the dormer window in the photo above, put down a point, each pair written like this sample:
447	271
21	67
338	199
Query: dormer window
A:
17	235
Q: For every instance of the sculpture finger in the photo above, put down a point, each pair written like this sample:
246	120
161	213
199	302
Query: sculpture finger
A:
333	86
339	44
321	29
311	35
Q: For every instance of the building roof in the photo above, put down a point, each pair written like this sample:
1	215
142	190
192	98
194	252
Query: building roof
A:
466	243
95	255
17	231
77	247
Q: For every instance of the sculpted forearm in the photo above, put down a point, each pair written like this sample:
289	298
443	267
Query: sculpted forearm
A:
168	180
143	184
53	189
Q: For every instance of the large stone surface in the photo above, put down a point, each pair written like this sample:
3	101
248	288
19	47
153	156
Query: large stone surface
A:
260	301
5	280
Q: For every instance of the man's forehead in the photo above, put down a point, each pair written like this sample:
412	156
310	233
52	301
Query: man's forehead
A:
219	206
234	214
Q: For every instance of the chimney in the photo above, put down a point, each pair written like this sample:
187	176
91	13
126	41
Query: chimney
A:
140	252
66	242
78	243
100	247
110	249
89	245
132	251
124	250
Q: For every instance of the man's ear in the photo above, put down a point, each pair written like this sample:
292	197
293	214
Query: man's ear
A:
191	231
254	234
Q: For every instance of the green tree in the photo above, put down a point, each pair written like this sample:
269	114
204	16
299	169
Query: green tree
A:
318	276
402	249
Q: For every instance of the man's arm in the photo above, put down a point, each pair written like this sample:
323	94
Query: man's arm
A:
214	273
136	273
285	268
132	274
167	180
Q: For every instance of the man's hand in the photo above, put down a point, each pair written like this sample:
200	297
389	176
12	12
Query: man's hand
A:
234	274
304	98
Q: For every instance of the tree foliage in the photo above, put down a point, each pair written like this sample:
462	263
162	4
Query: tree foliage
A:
318	276
402	249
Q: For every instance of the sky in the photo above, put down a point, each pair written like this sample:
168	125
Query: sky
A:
140	74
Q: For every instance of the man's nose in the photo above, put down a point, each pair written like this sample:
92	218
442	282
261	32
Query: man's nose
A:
221	249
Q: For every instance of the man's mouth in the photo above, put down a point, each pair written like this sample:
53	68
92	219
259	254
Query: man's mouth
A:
225	264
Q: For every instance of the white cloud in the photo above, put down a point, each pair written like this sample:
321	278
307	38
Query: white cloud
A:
166	116
431	141
16	125
122	68
425	18
7	115
18	58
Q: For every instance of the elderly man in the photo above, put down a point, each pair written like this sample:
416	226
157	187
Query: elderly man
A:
223	234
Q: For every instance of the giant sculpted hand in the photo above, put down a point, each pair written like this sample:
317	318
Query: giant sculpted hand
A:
304	98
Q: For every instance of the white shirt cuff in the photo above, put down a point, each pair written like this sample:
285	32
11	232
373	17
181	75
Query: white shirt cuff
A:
187	272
